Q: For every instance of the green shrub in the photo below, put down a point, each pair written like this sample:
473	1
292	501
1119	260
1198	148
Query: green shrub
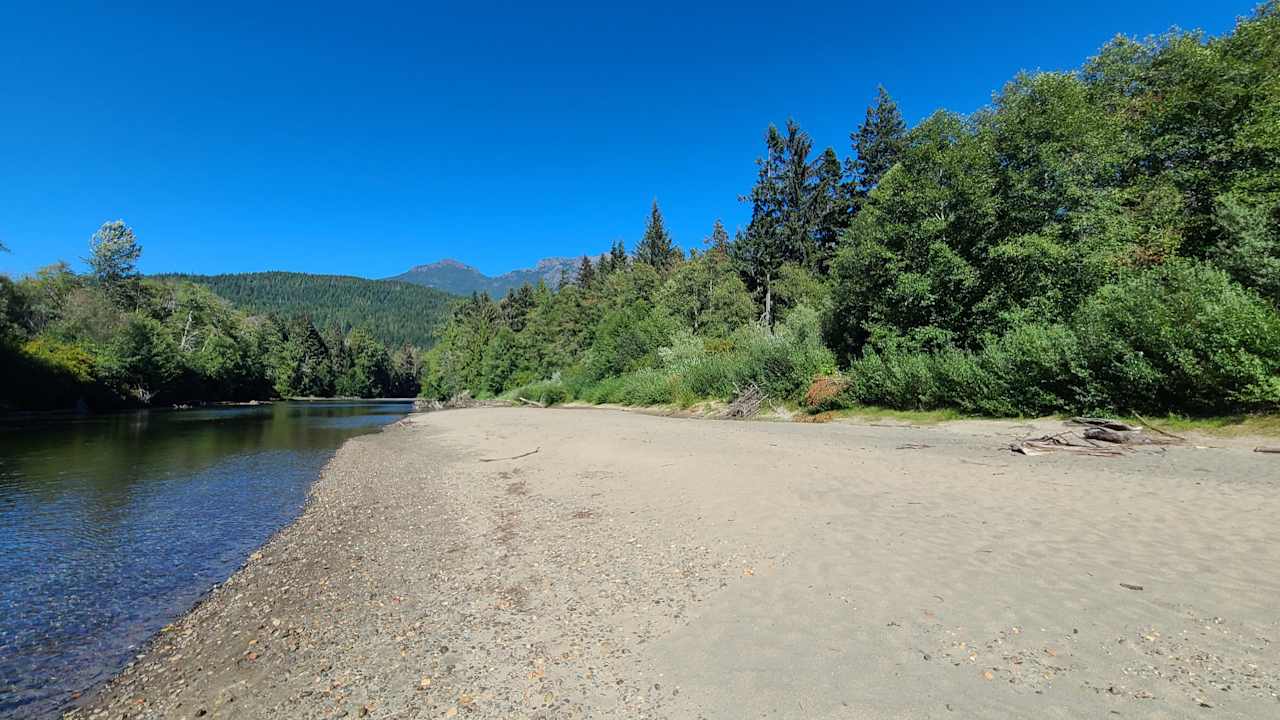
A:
648	386
781	363
1015	374
628	339
70	361
48	373
547	392
599	392
1183	336
895	379
1032	369
717	376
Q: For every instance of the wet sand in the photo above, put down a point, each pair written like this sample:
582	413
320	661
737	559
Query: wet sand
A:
639	566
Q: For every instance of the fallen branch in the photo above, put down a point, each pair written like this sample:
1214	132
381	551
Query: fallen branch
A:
1105	423
1133	437
1272	450
746	403
1158	429
1041	447
513	457
1071	441
534	403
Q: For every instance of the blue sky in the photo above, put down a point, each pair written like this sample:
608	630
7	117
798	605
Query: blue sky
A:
364	138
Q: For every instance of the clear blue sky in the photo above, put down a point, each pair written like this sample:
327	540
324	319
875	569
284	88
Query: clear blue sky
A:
362	138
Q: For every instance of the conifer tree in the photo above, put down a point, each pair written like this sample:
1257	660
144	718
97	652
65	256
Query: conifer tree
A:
784	214
113	260
656	248
718	240
831	207
315	368
339	355
516	306
586	272
618	256
877	143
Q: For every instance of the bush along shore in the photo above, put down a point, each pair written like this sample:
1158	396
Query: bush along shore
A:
110	338
1100	240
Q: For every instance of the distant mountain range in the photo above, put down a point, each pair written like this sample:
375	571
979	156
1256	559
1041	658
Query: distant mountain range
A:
458	278
407	308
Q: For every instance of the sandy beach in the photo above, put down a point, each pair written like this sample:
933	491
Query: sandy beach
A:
637	566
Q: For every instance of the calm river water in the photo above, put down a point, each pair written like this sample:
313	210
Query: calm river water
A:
111	526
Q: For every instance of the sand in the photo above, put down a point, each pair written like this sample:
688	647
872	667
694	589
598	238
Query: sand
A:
647	567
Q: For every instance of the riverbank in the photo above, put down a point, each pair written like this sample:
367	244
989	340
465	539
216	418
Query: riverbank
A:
515	562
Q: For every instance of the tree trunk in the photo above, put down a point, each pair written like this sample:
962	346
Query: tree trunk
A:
768	302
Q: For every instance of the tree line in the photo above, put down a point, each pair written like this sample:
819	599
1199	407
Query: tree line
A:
1106	238
396	313
111	338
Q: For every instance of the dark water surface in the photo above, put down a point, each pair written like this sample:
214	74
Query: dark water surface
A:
111	526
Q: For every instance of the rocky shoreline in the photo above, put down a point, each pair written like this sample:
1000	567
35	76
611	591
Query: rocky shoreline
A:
401	585
575	563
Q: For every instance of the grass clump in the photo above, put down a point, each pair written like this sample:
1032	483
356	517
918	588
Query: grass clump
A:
547	392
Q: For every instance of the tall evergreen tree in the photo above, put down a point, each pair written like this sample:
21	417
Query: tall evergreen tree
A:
784	214
314	368
586	272
830	206
877	143
113	260
335	341
516	306
718	240
370	372
617	256
656	248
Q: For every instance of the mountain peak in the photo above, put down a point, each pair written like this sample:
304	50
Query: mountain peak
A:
446	263
462	279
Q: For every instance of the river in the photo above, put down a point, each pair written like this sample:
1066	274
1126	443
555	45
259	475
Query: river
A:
112	526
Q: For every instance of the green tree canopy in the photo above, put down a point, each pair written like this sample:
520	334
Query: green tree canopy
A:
877	143
656	248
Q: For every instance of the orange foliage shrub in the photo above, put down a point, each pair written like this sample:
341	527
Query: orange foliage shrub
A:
824	391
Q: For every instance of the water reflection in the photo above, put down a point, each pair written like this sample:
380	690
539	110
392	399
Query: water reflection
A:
111	526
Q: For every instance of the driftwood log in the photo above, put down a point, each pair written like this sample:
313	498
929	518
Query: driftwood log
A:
1101	437
1105	423
1065	442
1120	437
746	404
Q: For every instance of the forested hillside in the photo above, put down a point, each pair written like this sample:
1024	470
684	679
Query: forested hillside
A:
112	338
1101	239
395	313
